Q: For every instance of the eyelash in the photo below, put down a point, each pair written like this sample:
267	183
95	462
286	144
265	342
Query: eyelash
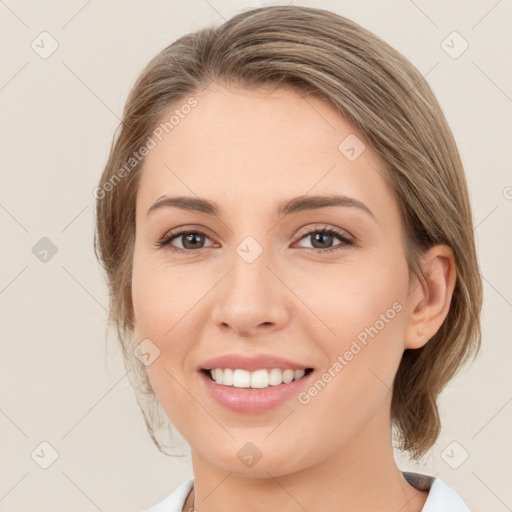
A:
165	241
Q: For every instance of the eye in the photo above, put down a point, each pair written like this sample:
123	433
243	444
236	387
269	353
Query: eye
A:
322	239
191	240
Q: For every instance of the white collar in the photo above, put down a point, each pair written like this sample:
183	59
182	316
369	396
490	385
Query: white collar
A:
441	498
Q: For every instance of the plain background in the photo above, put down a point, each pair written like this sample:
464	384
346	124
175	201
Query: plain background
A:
62	381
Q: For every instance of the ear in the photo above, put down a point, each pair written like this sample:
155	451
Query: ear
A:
430	296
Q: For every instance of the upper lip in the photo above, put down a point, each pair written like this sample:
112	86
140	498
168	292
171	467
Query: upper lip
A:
251	363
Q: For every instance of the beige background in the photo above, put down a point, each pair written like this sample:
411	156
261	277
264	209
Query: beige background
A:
61	380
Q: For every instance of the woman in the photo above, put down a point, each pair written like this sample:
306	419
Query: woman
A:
286	232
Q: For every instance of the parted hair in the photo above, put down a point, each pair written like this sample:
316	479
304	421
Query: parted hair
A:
389	102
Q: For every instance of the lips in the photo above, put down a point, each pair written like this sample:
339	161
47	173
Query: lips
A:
245	395
252	363
250	400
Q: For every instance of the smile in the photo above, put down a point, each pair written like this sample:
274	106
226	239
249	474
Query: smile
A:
258	379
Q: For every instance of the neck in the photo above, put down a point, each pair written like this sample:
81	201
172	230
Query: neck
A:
359	477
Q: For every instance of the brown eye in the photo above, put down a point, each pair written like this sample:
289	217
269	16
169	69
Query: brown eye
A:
191	240
322	239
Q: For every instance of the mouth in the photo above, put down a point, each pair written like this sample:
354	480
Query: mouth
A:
254	392
258	379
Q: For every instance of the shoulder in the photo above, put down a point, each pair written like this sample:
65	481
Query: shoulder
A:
441	497
175	501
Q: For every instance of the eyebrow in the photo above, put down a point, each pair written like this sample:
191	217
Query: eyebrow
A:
288	207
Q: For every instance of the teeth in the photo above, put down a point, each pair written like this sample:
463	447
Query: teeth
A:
258	379
241	378
275	377
227	377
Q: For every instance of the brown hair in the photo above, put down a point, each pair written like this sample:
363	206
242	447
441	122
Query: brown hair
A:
386	99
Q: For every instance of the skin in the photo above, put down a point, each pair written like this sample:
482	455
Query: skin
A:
248	150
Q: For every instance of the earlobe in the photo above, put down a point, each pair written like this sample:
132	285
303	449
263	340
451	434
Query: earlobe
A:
430	296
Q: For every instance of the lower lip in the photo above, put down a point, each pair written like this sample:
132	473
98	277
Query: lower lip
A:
251	399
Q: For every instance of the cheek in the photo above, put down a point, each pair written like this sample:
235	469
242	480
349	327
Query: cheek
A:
367	314
155	322
167	311
364	311
164	299
354	297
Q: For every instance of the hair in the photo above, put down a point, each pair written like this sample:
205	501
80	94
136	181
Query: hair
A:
321	54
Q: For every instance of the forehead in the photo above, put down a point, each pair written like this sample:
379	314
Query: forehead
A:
249	146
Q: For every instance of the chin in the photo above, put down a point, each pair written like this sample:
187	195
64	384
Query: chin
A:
246	460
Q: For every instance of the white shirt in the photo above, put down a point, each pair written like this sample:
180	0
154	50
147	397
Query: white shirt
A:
441	498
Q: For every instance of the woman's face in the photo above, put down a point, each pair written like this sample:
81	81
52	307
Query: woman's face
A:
257	282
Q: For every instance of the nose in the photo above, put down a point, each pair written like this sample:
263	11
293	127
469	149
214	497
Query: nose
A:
252	300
